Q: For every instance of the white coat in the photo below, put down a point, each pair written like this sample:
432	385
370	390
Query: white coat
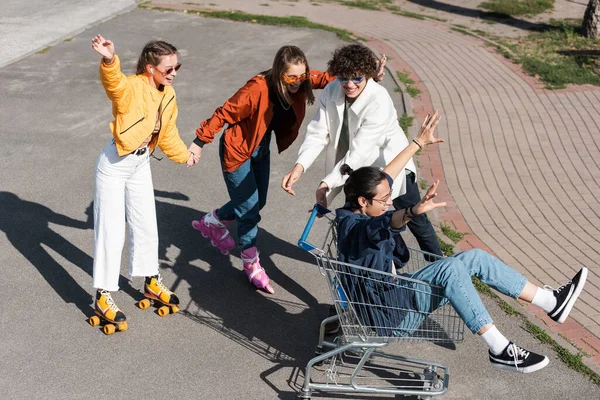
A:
375	135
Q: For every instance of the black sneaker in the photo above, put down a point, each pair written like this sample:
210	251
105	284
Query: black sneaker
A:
566	296
517	359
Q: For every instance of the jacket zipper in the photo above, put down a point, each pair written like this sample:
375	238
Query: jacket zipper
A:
160	118
134	124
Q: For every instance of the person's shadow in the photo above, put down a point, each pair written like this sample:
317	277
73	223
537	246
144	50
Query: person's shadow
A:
222	298
26	225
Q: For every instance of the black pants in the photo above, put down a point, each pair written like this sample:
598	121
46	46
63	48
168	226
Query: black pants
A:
420	226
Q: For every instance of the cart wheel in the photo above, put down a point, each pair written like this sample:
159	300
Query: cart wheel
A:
109	329
94	321
143	304
122	327
164	310
174	309
304	395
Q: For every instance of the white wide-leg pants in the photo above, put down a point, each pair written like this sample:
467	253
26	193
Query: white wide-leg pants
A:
123	191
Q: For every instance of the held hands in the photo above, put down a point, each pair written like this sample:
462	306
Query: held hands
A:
195	154
381	68
104	47
426	204
292	177
425	136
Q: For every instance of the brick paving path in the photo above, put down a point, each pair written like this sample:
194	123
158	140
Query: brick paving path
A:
520	165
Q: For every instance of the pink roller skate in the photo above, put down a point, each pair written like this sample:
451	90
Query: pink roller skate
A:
256	273
216	230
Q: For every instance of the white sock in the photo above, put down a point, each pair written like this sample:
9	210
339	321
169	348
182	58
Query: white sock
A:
495	340
544	299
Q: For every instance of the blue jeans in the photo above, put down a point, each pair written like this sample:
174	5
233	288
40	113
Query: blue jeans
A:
454	274
247	187
420	226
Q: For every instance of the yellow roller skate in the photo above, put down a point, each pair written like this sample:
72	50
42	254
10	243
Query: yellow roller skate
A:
156	291
108	312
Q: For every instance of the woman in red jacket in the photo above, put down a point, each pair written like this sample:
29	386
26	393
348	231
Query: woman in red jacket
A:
272	101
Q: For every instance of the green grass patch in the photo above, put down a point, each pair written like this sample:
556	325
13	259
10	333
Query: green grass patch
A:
68	39
575	362
405	122
447	248
423	184
559	55
44	50
364	4
413	91
451	233
518	7
240	16
408	82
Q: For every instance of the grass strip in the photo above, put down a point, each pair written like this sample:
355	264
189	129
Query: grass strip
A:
240	16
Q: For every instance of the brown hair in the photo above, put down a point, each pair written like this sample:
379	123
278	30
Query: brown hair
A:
353	60
286	56
152	53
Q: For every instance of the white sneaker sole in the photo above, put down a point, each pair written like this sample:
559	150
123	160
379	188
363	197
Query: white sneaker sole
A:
526	370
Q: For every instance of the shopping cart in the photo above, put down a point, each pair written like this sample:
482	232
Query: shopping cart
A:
372	311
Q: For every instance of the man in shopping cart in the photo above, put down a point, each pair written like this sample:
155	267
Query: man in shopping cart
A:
367	237
357	124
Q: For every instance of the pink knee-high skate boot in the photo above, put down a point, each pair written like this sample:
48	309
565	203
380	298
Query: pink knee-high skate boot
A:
256	274
216	230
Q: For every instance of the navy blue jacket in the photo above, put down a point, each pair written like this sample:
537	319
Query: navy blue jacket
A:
371	242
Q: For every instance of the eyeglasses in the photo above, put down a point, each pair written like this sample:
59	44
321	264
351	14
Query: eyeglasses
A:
169	71
356	79
383	201
291	79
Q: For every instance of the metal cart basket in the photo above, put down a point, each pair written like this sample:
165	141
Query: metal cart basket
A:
371	307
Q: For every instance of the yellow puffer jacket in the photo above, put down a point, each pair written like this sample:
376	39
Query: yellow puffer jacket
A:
135	105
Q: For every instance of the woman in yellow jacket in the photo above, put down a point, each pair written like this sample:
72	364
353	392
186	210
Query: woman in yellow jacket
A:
145	113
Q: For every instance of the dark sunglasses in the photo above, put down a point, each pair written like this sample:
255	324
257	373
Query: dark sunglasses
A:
170	70
356	79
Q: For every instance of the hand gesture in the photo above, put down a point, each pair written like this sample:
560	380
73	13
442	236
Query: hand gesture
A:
195	154
426	204
381	68
104	47
292	177
425	135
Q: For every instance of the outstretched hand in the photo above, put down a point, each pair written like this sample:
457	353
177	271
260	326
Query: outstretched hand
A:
104	47
426	134
426	204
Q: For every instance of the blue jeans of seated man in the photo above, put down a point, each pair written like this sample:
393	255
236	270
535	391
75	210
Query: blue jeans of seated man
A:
247	187
420	226
454	275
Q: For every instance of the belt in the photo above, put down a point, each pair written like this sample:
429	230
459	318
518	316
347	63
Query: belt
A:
140	151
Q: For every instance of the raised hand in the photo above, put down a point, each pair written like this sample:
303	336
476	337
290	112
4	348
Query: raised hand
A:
426	204
381	68
104	47
426	134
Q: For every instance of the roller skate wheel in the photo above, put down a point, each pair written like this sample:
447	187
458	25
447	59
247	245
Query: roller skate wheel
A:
122	327
174	309
225	252
164	310
143	304
94	321
109	329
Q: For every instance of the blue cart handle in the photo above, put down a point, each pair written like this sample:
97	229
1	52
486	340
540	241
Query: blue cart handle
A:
317	209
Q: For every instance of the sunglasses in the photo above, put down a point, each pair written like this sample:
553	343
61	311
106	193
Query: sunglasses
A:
356	79
170	70
291	79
